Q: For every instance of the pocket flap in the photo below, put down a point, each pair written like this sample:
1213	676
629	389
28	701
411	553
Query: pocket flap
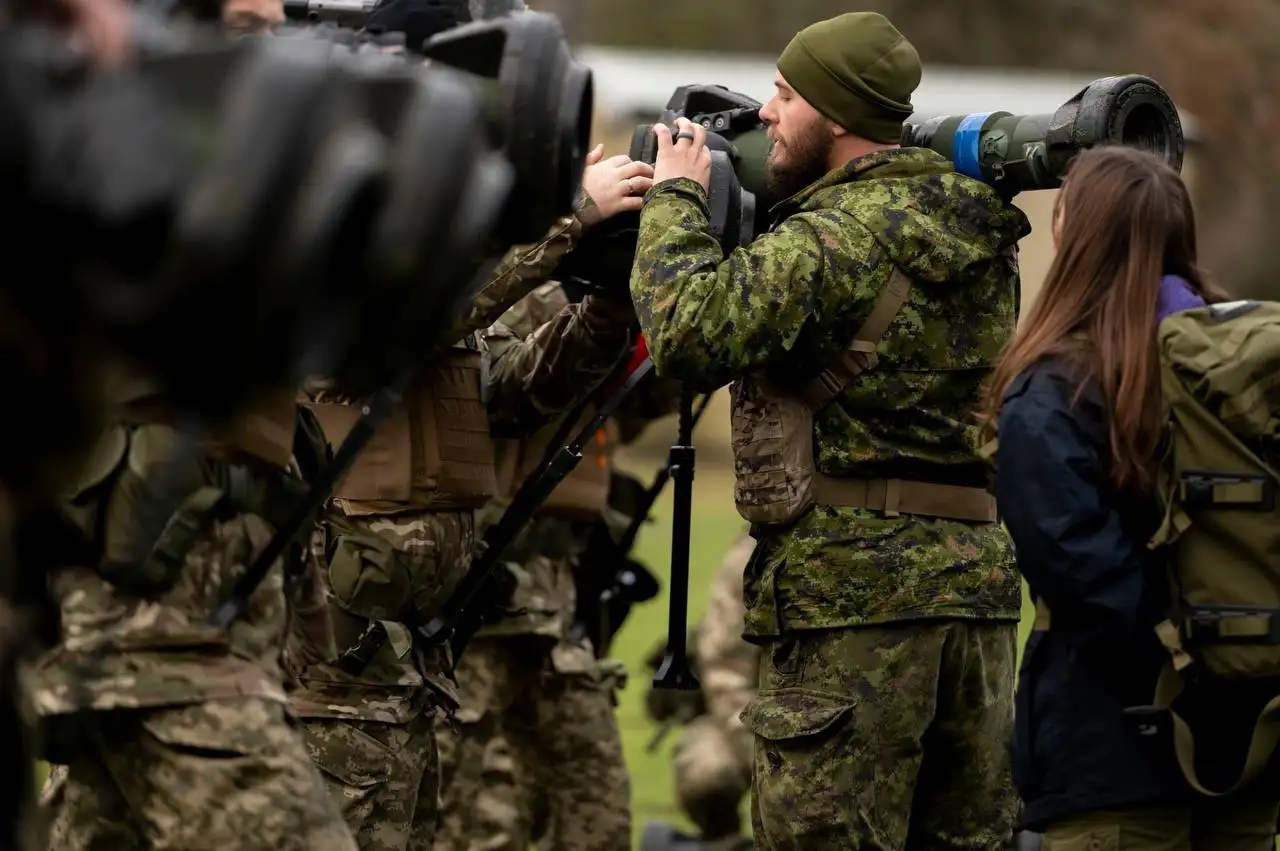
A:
368	577
782	715
218	728
104	459
350	755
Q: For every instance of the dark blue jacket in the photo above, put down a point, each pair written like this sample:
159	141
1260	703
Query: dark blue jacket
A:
1082	549
1081	546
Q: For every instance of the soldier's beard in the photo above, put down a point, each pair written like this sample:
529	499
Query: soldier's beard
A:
798	160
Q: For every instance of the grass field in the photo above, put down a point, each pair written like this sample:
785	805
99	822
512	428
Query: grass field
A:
716	525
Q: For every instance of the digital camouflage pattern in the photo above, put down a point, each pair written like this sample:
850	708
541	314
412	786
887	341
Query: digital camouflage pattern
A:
867	736
791	302
121	650
535	738
713	756
224	774
536	744
159	708
373	733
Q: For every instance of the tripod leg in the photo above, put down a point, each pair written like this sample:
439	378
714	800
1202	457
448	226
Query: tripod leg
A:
675	673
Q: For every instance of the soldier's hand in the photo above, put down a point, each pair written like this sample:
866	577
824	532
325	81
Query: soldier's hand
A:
685	156
613	185
101	28
252	16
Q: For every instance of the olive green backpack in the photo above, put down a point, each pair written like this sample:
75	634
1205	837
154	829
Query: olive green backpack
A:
1218	480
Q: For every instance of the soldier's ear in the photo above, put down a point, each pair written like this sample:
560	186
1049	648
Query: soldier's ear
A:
836	130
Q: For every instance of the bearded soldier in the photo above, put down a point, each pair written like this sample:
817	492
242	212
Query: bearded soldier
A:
402	531
857	333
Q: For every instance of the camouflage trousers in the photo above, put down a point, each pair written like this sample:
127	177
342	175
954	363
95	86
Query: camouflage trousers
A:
384	778
885	738
221	775
372	731
536	745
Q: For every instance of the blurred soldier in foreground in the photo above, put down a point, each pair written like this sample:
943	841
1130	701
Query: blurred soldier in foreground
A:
175	733
882	591
536	716
402	531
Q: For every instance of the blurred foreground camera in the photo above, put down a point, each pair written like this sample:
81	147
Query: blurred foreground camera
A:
537	98
1012	153
539	103
246	213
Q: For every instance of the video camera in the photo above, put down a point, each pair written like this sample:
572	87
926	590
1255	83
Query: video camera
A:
1011	153
246	212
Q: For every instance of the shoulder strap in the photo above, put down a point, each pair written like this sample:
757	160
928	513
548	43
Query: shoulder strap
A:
860	356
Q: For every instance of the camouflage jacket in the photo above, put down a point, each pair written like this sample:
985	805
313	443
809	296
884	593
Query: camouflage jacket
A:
788	304
519	272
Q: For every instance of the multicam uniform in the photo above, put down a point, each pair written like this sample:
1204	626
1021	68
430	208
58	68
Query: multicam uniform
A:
175	734
885	597
401	536
536	727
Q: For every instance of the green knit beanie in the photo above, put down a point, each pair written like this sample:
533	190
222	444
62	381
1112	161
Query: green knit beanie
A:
857	70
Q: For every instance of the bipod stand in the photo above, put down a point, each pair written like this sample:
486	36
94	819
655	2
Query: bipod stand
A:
675	673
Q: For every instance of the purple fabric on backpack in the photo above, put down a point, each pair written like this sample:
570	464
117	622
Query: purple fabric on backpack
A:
1176	296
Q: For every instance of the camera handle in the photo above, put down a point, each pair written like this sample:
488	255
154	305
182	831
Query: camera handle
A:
674	673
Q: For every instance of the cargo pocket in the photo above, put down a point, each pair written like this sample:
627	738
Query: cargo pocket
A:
355	765
368	576
219	730
793	721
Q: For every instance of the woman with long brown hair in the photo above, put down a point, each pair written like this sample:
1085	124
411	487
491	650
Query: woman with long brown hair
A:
1076	404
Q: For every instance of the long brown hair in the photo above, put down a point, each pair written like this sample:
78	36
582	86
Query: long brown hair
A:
1127	221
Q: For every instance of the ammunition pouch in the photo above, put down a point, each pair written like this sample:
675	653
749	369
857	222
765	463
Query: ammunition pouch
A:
138	474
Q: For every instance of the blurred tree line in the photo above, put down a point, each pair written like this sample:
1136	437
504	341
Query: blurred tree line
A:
1220	59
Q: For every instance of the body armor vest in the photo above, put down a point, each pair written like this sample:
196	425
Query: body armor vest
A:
775	475
433	453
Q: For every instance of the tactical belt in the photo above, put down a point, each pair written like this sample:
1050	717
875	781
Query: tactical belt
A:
894	497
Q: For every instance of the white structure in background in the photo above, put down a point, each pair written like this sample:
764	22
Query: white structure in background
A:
634	85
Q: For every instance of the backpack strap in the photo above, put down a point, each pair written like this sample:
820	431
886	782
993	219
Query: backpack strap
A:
1266	734
860	355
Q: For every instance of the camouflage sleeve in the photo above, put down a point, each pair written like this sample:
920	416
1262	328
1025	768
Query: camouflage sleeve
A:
709	319
536	379
521	269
